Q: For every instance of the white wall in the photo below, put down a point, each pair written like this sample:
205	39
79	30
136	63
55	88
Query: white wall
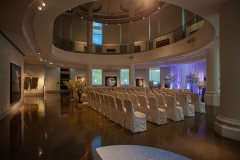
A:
142	74
9	54
74	72
52	79
31	70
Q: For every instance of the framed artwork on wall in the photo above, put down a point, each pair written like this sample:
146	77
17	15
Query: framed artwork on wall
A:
139	82
27	83
15	83
34	83
111	81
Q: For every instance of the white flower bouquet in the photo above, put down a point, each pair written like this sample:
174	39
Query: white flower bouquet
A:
169	79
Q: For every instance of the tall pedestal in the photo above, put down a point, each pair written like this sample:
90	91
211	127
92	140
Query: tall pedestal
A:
228	122
212	95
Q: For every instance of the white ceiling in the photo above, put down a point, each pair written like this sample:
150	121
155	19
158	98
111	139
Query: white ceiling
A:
31	30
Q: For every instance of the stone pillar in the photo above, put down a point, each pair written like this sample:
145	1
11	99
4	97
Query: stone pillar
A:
131	7
89	28
228	121
89	75
131	75
212	95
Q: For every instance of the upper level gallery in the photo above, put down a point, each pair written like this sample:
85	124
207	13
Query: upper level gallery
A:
75	31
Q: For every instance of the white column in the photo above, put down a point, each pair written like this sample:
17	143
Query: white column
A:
89	27
89	75
131	74
212	95
228	121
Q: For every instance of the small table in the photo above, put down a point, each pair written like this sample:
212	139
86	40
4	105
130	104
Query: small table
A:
134	152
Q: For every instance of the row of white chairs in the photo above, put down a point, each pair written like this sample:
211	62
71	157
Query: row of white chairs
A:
153	108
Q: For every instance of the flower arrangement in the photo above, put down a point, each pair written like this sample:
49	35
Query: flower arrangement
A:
169	79
77	86
201	85
192	79
69	84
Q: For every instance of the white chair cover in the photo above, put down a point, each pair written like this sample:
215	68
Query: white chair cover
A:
156	115
93	100
188	109
143	105
135	121
134	100
98	102
161	101
112	109
174	112
199	106
121	112
126	96
106	104
102	104
115	94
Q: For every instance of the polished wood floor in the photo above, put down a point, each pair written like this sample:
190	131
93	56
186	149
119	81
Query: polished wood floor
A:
51	127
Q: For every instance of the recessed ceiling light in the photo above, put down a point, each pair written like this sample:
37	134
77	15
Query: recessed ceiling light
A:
143	17
51	63
82	17
39	8
43	4
39	53
118	24
40	59
158	7
131	22
45	60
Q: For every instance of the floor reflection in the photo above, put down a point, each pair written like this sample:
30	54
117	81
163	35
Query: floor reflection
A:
52	127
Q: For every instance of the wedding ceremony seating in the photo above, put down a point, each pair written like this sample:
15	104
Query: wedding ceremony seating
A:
155	106
135	121
113	114
161	101
188	109
134	100
121	115
156	115
143	105
174	112
106	104
199	106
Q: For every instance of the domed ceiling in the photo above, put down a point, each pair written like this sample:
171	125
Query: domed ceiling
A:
114	11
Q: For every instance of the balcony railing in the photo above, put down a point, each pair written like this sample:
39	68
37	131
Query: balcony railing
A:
174	36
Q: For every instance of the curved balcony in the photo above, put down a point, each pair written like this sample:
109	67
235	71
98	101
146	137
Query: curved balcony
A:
108	49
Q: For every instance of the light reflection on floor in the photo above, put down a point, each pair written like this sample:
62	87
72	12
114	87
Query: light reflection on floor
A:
51	127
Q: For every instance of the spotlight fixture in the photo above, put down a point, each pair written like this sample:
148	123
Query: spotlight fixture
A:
82	17
43	4
45	60
39	53
130	22
158	7
143	17
118	24
106	23
41	60
39	8
51	63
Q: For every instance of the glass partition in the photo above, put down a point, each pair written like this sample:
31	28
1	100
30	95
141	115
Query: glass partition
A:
174	36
